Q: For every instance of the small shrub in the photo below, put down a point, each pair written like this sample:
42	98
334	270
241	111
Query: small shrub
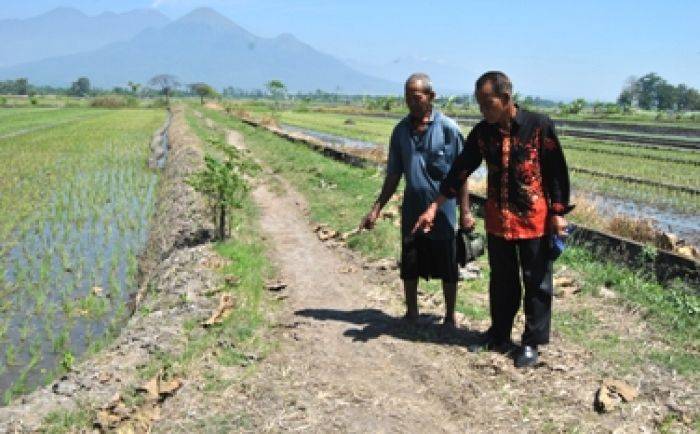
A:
109	101
3	100
158	103
132	102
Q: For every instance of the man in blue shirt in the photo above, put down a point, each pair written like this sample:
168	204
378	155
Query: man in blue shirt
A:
423	146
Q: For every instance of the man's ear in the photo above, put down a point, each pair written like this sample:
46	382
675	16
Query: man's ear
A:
506	98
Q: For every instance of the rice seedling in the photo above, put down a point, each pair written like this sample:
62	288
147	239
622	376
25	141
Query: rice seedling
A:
74	189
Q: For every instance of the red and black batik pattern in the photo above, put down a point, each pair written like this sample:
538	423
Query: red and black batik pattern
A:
527	175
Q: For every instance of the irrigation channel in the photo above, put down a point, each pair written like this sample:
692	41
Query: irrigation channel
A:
687	227
68	277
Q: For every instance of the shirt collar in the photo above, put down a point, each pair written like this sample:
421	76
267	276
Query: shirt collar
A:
519	116
433	114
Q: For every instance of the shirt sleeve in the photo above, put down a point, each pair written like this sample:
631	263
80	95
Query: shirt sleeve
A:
394	165
555	172
466	162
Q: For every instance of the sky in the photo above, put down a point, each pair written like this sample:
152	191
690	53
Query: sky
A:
557	49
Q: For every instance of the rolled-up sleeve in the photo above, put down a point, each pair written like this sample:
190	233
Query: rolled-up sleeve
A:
555	172
394	165
466	162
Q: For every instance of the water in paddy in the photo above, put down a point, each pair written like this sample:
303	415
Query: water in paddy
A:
67	277
331	139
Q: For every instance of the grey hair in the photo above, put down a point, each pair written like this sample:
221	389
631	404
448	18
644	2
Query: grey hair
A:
423	78
500	83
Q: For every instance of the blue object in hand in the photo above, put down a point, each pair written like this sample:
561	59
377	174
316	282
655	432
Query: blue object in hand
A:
557	244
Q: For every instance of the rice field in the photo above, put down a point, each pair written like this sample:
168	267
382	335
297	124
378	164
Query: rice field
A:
75	201
669	166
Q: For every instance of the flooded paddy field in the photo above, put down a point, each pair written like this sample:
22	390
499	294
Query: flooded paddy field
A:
76	197
658	184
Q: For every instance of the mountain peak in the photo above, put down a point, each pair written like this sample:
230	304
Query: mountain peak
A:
207	16
63	12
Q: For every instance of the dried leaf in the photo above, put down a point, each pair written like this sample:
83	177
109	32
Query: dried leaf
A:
157	388
226	305
612	393
605	401
276	286
626	392
231	279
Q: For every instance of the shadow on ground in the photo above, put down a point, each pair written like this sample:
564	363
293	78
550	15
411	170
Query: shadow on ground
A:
376	323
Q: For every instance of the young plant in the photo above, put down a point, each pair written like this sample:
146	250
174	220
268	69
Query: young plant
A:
222	182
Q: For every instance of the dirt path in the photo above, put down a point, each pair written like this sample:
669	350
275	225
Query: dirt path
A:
344	362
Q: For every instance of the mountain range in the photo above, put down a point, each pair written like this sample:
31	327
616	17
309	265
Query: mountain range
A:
113	49
64	31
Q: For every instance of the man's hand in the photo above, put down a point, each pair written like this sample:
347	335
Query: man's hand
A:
426	220
558	225
370	219
467	222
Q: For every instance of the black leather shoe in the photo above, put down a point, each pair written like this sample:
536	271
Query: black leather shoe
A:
526	357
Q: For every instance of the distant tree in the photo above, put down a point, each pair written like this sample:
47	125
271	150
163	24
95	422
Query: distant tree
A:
203	90
276	88
80	87
647	87
687	98
666	96
134	87
22	86
574	108
167	83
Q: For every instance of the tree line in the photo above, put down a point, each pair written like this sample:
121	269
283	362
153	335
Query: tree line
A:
651	91
648	92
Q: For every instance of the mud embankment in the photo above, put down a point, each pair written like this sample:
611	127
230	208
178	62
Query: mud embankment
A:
176	272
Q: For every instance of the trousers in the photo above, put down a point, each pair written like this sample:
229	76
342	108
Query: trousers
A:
509	259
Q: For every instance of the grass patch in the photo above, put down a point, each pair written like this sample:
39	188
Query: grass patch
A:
235	342
63	421
672	311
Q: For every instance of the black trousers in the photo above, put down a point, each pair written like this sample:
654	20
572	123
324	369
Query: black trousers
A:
507	260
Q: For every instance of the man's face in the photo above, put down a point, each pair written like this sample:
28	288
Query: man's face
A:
492	106
419	101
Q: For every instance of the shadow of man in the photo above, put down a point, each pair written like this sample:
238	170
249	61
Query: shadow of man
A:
376	323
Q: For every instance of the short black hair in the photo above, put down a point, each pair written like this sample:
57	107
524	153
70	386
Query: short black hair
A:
422	77
500	83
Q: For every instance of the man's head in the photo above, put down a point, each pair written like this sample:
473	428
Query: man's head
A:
494	93
419	94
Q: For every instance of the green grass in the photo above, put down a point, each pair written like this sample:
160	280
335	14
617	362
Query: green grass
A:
239	334
342	194
629	150
14	122
64	421
668	310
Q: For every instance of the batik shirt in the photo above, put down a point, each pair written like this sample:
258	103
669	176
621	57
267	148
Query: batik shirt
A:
527	175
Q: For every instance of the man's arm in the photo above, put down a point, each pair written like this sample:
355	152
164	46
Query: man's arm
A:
556	179
394	170
455	183
391	182
466	219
